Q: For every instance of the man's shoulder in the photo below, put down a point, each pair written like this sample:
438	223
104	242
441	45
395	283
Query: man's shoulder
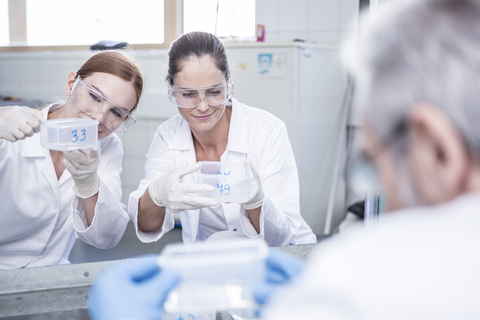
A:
403	241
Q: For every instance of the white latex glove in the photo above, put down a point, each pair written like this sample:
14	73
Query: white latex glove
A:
83	165
256	191
17	123
169	191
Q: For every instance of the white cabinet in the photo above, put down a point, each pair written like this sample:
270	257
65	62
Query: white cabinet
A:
303	85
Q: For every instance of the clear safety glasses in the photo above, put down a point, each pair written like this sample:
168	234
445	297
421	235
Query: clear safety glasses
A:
363	176
93	102
190	97
361	171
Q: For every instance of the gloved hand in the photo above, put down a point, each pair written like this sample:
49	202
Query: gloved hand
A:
17	123
83	165
256	190
282	267
134	289
169	191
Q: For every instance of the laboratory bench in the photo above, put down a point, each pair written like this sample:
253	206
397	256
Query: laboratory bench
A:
61	292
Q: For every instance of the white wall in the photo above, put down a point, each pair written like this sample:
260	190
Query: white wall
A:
42	75
321	21
325	22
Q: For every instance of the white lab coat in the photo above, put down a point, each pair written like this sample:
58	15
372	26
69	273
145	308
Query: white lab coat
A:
39	213
254	134
421	263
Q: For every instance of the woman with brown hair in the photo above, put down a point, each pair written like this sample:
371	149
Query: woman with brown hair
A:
214	126
42	205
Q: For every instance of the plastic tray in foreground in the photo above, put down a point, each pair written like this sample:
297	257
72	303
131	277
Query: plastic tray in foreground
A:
214	276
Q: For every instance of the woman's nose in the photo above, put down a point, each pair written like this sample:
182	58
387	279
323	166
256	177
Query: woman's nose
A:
100	117
202	106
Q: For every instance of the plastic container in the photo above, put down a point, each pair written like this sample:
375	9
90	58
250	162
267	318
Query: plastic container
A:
69	133
232	181
214	276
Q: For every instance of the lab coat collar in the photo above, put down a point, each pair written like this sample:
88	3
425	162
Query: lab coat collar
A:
32	146
183	138
237	139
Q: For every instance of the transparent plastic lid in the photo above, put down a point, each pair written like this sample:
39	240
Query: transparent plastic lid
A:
232	181
214	276
69	133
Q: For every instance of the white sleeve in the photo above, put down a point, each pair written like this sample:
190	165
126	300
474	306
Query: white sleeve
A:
110	219
326	289
280	217
3	148
158	163
305	299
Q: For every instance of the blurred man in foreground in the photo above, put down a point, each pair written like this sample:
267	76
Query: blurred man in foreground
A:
417	78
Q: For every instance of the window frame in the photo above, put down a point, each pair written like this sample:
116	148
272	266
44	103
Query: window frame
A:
17	14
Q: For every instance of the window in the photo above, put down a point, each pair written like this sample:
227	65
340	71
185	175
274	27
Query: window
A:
4	35
76	25
86	22
225	18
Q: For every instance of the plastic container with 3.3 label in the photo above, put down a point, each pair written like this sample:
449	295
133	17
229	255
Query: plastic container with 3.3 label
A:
69	133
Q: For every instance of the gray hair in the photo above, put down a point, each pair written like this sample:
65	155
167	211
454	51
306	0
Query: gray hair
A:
420	51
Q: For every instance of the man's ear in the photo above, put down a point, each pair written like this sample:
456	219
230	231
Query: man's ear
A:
72	76
441	147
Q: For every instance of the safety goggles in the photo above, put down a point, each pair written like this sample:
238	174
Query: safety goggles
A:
361	171
190	97
93	102
363	176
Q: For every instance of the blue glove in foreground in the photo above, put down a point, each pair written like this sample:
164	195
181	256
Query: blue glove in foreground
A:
134	289
281	268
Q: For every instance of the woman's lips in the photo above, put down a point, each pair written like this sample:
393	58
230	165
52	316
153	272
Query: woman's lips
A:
203	117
